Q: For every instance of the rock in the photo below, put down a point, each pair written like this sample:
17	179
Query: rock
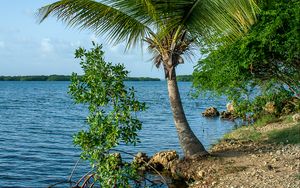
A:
201	174
270	107
211	112
229	107
172	166
227	115
271	153
270	167
164	160
140	159
296	117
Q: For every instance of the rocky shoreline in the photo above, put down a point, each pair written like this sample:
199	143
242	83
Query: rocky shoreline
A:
234	163
245	165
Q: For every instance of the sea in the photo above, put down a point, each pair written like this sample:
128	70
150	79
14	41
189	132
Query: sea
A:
38	121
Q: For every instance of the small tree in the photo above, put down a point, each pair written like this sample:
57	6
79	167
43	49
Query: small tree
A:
112	115
267	57
170	28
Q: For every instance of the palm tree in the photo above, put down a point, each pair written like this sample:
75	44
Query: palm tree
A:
170	28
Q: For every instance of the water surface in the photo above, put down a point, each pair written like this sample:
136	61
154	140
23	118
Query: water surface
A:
38	120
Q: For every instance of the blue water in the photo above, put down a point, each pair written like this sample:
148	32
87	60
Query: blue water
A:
38	120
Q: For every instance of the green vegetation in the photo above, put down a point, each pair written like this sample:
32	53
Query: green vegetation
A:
244	133
169	28
184	78
288	119
265	119
262	66
25	78
62	78
141	79
289	135
112	118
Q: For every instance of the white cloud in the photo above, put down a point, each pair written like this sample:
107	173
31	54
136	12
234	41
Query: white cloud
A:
46	46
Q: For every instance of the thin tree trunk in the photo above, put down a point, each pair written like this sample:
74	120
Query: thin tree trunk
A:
187	139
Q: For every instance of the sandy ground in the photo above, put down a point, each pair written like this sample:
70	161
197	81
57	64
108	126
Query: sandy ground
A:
237	164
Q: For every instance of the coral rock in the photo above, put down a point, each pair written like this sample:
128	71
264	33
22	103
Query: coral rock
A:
211	112
164	160
230	107
140	159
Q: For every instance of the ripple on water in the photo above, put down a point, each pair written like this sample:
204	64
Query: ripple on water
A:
38	121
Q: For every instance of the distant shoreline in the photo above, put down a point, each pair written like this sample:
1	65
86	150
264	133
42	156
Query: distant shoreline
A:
54	77
184	78
62	78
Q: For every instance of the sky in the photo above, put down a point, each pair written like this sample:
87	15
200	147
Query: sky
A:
30	48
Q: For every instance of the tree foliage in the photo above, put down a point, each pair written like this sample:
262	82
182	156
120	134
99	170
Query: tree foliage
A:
184	78
63	78
112	115
266	60
170	28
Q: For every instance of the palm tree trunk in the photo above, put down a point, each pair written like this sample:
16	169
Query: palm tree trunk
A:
187	139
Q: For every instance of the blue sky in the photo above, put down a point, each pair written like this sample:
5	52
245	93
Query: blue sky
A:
29	48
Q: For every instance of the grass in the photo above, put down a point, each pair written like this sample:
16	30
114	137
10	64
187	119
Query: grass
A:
289	135
250	132
288	119
262	121
244	133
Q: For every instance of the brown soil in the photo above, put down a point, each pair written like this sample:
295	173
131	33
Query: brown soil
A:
236	164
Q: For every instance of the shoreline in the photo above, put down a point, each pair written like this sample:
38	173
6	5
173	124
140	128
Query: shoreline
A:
250	156
260	155
63	78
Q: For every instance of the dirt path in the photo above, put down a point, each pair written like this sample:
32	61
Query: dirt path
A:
239	163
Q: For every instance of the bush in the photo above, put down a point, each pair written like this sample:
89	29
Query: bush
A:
262	66
112	115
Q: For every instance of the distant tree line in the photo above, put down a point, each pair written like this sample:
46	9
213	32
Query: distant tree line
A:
184	78
36	78
141	79
62	78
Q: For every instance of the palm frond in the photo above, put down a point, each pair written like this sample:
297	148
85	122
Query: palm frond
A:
229	18
210	18
168	26
119	22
